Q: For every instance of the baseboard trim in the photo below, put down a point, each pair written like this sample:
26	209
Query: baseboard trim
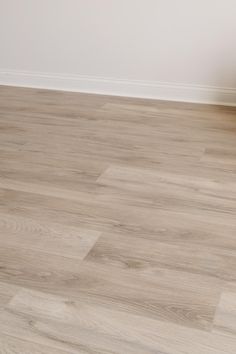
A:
128	88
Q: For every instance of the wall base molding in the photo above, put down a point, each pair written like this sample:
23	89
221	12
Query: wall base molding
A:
117	87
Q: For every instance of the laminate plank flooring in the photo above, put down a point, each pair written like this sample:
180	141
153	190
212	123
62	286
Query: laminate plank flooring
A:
117	225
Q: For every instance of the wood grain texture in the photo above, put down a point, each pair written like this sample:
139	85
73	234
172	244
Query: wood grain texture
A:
117	225
13	345
89	327
7	291
225	317
47	237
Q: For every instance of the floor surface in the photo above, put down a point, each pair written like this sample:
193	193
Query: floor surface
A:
117	225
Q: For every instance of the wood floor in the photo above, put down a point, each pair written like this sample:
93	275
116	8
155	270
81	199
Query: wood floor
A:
117	225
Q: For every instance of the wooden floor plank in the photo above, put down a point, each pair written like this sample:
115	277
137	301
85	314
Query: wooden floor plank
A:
35	269
72	242
150	255
171	191
84	327
13	345
158	293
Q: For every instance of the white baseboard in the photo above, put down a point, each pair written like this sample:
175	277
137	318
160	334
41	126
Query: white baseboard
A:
117	87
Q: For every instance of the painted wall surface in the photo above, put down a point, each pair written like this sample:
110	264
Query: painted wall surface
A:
173	41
